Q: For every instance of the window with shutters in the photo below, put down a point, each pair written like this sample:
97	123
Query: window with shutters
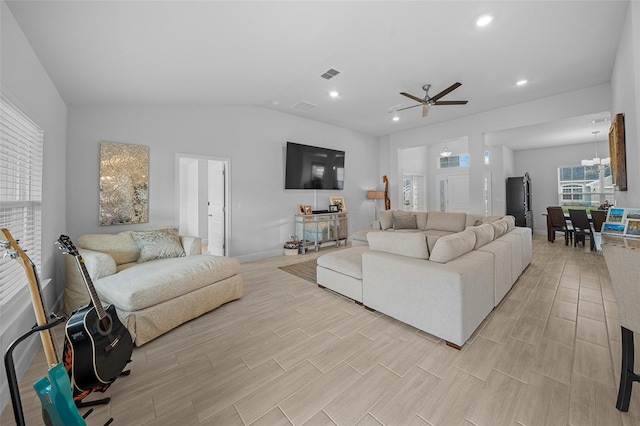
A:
21	149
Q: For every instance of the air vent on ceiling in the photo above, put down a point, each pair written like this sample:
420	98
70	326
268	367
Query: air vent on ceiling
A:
303	106
330	73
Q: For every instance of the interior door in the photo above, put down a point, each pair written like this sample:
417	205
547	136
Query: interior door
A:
453	193
216	208
458	193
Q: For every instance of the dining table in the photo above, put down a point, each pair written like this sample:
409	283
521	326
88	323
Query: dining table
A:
551	235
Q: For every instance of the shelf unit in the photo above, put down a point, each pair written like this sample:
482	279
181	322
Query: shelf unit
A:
316	229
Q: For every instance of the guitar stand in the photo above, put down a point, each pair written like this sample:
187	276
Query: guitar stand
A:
10	367
12	378
101	401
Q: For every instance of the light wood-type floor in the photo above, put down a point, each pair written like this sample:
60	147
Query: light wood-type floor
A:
289	352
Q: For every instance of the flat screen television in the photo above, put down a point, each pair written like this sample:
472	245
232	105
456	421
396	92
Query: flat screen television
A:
312	167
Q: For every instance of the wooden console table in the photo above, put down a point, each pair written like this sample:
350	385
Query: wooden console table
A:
315	229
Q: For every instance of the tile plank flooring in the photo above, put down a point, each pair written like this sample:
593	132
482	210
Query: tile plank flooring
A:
289	352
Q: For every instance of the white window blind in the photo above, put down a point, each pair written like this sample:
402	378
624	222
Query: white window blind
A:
21	148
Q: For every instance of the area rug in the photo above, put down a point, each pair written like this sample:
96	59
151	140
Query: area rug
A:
305	270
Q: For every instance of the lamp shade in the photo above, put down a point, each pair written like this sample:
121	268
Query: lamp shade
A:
375	195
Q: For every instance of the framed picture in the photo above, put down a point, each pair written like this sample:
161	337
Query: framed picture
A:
617	152
307	210
616	214
333	208
633	214
613	228
301	209
338	200
633	228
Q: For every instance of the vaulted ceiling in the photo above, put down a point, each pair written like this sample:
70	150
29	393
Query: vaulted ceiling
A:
272	54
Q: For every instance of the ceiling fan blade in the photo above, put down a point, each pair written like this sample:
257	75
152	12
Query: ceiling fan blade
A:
415	98
402	109
425	110
450	103
450	89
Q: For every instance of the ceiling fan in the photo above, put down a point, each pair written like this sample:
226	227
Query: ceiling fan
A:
427	101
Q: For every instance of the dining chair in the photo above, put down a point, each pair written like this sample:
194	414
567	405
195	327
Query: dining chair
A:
598	217
581	227
559	223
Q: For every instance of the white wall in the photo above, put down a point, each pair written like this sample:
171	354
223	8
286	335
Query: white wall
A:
252	137
625	88
26	84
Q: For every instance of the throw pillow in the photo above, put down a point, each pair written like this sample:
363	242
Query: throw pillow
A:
404	222
158	244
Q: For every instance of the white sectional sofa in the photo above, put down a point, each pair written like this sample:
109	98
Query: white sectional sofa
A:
156	279
442	281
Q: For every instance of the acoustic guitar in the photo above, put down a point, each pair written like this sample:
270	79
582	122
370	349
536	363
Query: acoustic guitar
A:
101	344
54	391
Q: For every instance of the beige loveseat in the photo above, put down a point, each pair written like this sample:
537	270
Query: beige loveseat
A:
156	279
443	284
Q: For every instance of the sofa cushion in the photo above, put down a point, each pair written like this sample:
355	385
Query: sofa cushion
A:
404	222
360	235
499	228
156	281
446	221
404	244
473	220
511	222
158	244
121	247
98	264
484	234
452	246
421	220
386	219
347	262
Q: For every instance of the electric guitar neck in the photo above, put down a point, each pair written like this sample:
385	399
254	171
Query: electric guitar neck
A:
14	251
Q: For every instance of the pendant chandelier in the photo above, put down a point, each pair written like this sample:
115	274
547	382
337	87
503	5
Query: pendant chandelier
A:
445	151
596	161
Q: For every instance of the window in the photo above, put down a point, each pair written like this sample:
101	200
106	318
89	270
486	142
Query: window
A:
412	192
572	192
21	144
585	186
454	161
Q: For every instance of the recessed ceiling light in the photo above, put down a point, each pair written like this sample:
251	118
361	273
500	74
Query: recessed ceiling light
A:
396	118
521	82
484	20
334	94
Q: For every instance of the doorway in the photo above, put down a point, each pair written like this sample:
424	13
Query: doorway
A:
453	193
203	199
